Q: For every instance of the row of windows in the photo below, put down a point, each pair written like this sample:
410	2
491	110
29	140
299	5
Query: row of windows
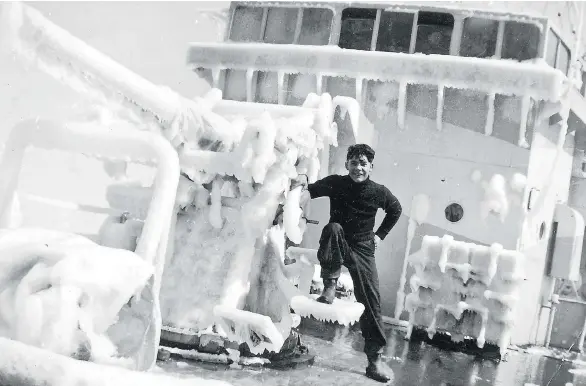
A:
362	29
280	25
433	34
382	97
557	53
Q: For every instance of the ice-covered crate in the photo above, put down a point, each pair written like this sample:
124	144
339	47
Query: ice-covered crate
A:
464	290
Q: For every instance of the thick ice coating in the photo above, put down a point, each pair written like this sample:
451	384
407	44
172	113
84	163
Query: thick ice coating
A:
464	289
62	292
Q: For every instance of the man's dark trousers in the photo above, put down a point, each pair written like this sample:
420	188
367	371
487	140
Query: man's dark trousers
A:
358	256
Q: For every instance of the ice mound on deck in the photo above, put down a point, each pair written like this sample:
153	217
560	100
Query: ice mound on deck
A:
62	292
464	289
228	254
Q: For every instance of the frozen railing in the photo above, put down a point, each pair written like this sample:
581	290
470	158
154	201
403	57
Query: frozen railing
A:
153	243
237	67
88	71
464	289
498	76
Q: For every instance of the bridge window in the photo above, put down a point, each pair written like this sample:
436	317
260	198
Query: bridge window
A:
434	33
267	89
479	37
520	41
465	108
507	119
422	100
394	33
557	54
298	87
281	24
316	26
246	24
357	28
235	85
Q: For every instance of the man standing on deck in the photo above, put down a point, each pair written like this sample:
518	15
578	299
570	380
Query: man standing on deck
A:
349	239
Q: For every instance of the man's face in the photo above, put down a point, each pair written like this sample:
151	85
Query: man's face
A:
359	168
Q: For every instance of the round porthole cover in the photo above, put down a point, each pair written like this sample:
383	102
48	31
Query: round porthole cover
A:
454	212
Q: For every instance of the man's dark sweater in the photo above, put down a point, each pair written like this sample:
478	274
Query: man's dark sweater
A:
353	205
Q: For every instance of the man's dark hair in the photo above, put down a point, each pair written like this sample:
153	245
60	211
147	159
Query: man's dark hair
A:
359	150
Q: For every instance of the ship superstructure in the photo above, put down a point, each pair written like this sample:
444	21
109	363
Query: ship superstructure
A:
476	112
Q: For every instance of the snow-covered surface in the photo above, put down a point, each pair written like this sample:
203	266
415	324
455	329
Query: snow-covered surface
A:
495	198
230	246
498	76
343	311
62	292
24	364
238	260
453	277
150	247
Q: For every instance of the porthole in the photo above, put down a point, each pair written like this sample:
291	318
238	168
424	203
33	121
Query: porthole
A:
454	212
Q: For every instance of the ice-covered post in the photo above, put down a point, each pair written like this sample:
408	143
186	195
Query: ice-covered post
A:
90	72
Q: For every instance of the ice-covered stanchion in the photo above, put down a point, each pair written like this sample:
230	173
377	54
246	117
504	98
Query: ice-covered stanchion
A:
464	289
77	280
245	290
62	292
418	214
63	56
292	216
223	243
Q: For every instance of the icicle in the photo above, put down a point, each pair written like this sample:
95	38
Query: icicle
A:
345	312
410	326
440	107
249	76
359	82
417	215
402	105
495	251
490	115
352	107
504	340
525	106
456	35
319	84
280	87
431	330
481	338
216	206
446	242
216	76
292	216
499	40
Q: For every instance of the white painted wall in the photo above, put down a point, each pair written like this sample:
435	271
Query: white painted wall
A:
422	160
549	171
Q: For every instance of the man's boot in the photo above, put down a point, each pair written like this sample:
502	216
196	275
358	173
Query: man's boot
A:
329	292
375	369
